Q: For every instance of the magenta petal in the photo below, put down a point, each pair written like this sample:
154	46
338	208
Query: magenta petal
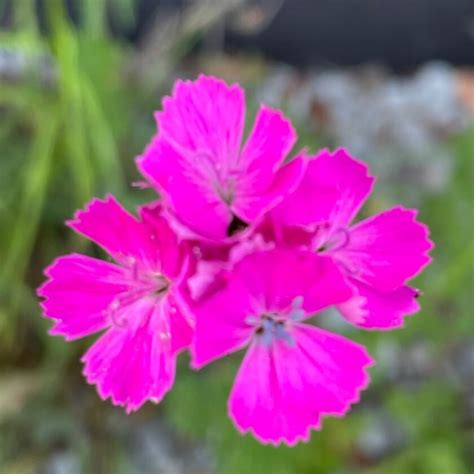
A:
328	286
333	189
263	281
109	225
133	363
173	254
250	205
196	151
205	279
282	392
279	276
206	118
387	249
189	187
269	142
374	309
78	292
181	323
221	326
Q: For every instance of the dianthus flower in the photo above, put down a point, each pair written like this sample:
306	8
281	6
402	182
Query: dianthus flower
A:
136	301
213	186
239	251
293	373
378	255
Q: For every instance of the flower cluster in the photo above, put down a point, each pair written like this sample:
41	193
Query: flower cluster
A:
242	247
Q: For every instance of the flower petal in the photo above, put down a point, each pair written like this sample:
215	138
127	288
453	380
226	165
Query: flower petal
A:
172	252
200	131
373	309
133	363
271	139
204	117
109	225
190	187
181	322
221	326
250	205
277	277
263	281
78	292
333	189
282	392
386	250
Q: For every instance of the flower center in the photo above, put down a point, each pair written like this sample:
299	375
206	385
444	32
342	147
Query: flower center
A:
273	326
225	190
161	285
154	285
236	225
330	241
218	174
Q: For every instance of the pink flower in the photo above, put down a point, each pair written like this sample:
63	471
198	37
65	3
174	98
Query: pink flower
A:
136	301
240	250
213	186
293	373
378	255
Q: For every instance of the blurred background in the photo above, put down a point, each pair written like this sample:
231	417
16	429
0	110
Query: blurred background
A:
392	80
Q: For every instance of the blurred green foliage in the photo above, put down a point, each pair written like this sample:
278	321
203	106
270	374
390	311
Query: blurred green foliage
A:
65	119
69	132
